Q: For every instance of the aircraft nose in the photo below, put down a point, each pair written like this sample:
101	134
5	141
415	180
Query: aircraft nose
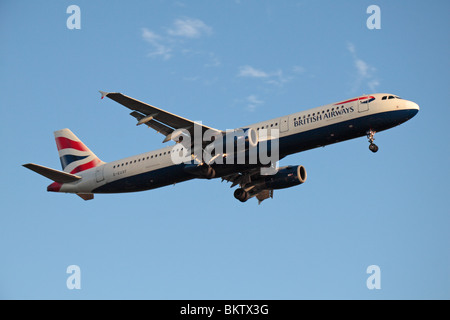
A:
414	105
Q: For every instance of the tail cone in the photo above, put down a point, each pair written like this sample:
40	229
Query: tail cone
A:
54	187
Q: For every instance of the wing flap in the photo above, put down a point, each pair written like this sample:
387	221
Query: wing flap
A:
155	125
263	195
52	174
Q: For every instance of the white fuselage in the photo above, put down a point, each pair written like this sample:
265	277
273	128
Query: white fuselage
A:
298	132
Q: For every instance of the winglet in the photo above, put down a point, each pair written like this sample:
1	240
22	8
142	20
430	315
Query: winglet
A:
103	93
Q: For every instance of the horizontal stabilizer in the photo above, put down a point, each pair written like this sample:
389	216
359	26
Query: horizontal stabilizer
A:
52	174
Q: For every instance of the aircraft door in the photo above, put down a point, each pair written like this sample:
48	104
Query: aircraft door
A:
284	124
99	177
363	105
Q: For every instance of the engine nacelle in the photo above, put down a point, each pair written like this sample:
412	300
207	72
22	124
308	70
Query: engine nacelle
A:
286	177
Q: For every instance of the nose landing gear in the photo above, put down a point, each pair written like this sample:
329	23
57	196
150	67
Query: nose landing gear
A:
370	135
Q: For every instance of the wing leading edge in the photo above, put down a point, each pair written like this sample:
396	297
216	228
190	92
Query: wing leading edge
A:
158	119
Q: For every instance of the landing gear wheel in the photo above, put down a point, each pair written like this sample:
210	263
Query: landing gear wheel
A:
241	195
370	135
373	147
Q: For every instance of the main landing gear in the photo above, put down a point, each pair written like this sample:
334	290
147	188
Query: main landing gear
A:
370	135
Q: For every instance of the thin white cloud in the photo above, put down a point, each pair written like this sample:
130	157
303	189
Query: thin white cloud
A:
189	28
277	77
253	102
214	61
298	69
363	68
211	59
174	38
373	84
365	72
156	41
191	79
248	71
149	36
351	47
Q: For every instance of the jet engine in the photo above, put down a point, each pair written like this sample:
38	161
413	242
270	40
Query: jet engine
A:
286	177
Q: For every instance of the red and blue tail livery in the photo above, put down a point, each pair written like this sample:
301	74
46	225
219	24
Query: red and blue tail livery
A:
73	154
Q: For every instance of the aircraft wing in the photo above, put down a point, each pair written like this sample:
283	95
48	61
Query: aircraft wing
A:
160	120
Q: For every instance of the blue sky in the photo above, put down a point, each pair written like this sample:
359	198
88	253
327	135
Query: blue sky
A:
228	64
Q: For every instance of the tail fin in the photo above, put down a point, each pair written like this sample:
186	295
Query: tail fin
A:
73	154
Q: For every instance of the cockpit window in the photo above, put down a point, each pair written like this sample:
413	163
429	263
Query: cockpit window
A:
391	97
397	97
384	98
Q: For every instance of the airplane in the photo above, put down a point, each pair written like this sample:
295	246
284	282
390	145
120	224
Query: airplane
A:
84	174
